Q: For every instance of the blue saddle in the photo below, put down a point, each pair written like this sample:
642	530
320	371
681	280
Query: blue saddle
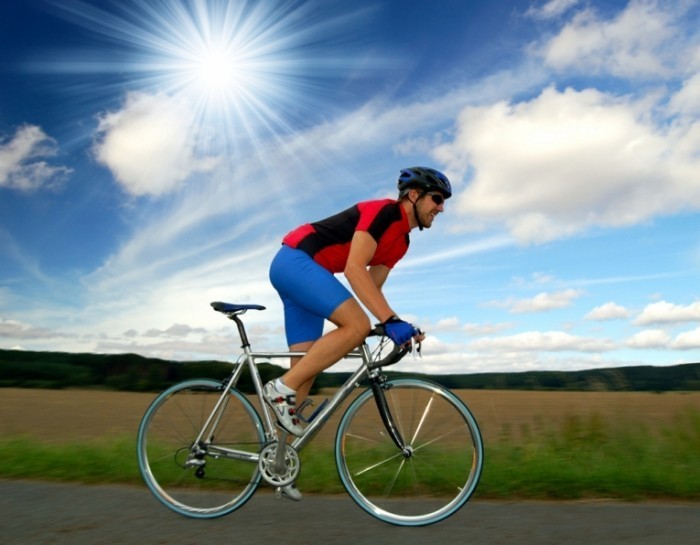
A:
229	308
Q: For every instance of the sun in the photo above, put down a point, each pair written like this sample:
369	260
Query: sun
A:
215	71
215	74
250	69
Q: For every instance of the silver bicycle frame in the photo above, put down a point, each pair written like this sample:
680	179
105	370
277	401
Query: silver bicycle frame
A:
249	358
252	358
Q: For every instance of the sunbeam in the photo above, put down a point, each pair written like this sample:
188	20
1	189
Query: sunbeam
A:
247	71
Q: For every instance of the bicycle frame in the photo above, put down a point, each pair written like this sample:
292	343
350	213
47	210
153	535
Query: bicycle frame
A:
250	358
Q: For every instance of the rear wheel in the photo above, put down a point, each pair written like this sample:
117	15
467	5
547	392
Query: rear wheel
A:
204	478
433	476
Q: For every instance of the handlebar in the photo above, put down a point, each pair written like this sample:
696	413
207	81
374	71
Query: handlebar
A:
396	354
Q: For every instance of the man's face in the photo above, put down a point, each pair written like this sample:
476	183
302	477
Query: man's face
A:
429	206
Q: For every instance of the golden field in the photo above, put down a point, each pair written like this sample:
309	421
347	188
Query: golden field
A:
70	415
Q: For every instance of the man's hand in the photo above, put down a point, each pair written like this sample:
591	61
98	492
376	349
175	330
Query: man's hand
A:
399	331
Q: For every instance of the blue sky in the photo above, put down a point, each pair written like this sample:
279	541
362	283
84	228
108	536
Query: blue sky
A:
153	153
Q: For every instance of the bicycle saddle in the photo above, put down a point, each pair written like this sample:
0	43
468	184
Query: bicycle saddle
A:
228	308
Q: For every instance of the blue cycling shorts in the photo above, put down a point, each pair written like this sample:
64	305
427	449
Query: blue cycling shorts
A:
310	293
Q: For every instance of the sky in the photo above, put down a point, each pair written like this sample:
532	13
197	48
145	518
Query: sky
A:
153	153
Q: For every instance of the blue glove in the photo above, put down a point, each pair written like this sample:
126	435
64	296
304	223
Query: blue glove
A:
399	331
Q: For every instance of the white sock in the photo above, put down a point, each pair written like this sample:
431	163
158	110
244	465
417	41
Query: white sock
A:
283	388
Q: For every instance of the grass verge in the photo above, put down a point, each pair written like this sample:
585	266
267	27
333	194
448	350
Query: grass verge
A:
583	458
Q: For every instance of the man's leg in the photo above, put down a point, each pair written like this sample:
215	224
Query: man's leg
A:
304	389
353	326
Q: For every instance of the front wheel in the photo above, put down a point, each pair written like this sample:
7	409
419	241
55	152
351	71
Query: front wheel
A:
433	476
199	462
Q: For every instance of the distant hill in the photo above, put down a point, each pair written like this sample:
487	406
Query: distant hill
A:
136	373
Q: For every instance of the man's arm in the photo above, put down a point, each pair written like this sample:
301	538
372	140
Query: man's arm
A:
379	274
366	283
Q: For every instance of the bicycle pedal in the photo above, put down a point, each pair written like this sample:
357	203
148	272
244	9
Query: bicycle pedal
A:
314	414
318	410
278	493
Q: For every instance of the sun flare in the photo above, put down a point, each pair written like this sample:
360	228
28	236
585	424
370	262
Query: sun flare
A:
253	58
215	71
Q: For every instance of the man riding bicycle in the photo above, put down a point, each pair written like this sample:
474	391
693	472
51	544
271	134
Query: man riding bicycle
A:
363	242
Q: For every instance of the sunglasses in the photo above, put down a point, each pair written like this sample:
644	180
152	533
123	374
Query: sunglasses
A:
437	198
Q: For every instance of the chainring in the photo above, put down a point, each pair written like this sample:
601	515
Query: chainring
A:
275	473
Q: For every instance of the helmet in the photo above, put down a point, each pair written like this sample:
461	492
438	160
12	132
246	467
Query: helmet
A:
424	178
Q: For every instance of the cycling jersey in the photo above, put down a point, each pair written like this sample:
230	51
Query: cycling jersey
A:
328	241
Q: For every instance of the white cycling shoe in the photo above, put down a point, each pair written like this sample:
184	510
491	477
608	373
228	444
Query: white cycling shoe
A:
291	491
284	407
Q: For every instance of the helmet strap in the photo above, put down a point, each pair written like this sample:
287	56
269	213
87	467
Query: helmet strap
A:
415	211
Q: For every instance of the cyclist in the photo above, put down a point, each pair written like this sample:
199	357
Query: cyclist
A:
364	242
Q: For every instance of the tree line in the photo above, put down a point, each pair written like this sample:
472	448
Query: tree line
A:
132	372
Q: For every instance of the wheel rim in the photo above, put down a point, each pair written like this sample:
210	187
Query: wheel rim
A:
202	484
437	474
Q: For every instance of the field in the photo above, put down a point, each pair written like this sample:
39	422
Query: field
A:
539	444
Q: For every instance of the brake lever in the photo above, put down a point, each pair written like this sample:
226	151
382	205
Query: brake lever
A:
416	346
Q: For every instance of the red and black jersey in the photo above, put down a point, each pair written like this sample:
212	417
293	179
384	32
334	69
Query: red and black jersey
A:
328	240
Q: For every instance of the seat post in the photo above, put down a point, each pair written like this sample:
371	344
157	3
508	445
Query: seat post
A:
241	330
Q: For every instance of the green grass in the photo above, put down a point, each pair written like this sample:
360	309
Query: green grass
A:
582	458
592	458
98	461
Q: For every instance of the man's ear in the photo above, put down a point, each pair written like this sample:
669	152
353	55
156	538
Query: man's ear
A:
414	195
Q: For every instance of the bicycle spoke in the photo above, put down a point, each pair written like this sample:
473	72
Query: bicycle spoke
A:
426	411
197	480
433	477
378	464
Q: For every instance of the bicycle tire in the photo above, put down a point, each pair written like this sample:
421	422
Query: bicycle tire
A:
211	484
443	465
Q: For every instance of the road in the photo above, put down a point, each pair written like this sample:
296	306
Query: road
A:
38	513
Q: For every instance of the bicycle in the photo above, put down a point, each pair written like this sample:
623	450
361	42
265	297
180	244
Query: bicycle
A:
408	451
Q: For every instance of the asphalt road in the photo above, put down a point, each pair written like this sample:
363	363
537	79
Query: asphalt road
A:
38	513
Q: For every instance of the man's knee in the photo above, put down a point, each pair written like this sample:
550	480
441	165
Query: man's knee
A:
351	317
362	328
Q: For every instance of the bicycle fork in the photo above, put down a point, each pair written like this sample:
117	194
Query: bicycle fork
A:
378	385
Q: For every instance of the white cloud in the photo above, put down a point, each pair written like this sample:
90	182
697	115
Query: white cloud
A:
175	330
630	45
687	100
650	338
21	164
548	341
669	313
567	161
18	330
608	311
551	9
478	330
541	302
687	340
150	145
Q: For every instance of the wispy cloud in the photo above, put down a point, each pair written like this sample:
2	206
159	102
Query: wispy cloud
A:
19	330
22	161
550	9
486	244
542	302
549	341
